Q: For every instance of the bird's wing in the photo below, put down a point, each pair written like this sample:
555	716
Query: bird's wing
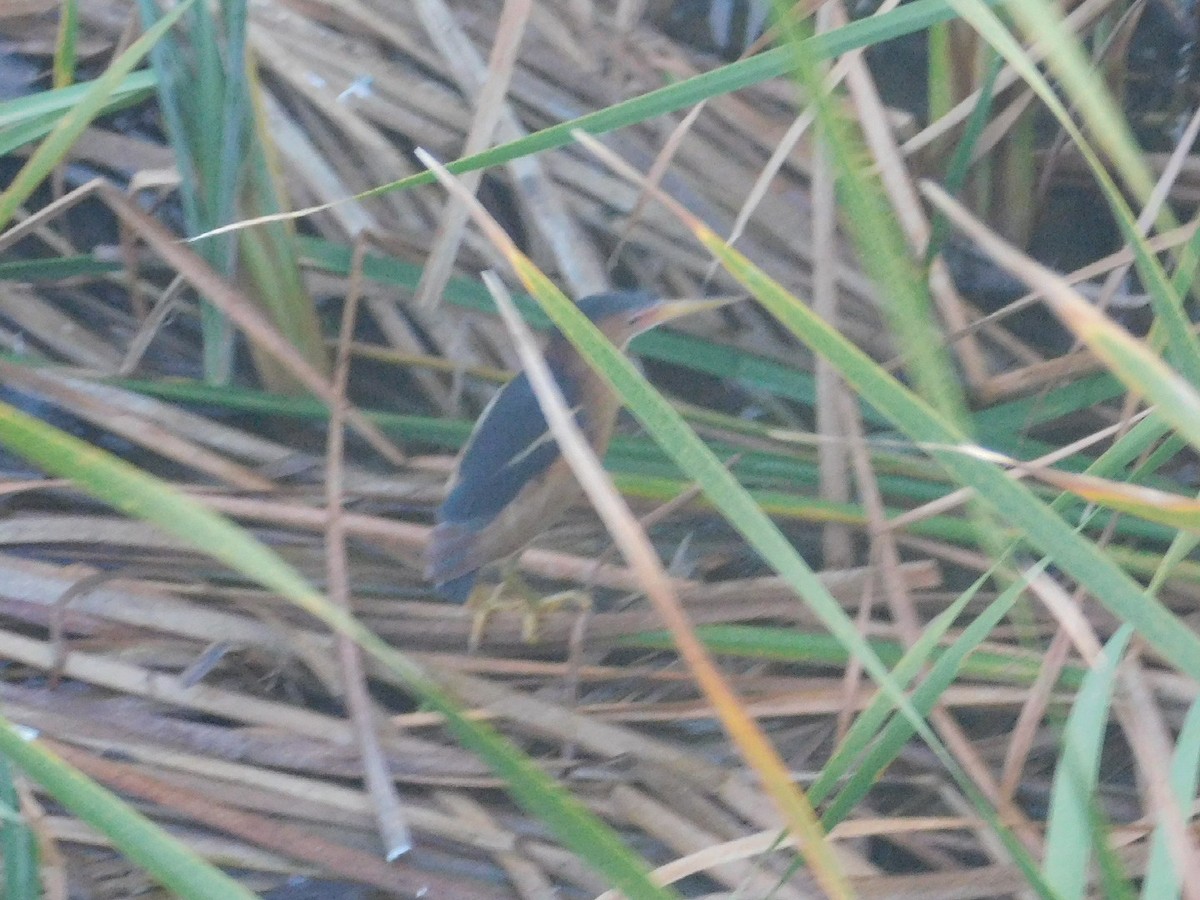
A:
511	445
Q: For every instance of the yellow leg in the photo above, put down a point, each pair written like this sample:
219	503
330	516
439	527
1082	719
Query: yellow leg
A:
513	594
485	600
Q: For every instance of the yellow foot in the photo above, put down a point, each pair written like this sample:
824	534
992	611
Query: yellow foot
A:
537	607
513	595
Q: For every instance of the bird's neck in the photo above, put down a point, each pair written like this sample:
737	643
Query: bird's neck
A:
559	351
594	397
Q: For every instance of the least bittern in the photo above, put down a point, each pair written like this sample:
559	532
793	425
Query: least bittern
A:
511	483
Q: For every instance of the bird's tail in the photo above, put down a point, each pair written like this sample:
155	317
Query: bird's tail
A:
448	560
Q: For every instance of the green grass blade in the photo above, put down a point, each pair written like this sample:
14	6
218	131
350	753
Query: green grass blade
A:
271	256
785	645
235	111
1113	881
52	105
940	72
170	862
1068	829
960	161
171	100
18	845
1162	875
66	44
1145	374
99	92
56	268
204	93
1180	549
27	132
883	247
998	423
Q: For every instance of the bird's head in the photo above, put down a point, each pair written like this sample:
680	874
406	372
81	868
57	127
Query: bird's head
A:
623	315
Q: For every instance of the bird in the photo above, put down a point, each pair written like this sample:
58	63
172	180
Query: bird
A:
511	482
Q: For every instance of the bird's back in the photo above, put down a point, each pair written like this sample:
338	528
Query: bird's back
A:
510	484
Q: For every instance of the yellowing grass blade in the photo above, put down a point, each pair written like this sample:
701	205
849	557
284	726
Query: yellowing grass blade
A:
1146	503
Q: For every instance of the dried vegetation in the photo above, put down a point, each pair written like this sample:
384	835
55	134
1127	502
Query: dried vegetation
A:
219	709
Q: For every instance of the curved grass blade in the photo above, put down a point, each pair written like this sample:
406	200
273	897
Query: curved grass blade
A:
1068	830
53	104
1162	877
25	119
170	862
135	493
